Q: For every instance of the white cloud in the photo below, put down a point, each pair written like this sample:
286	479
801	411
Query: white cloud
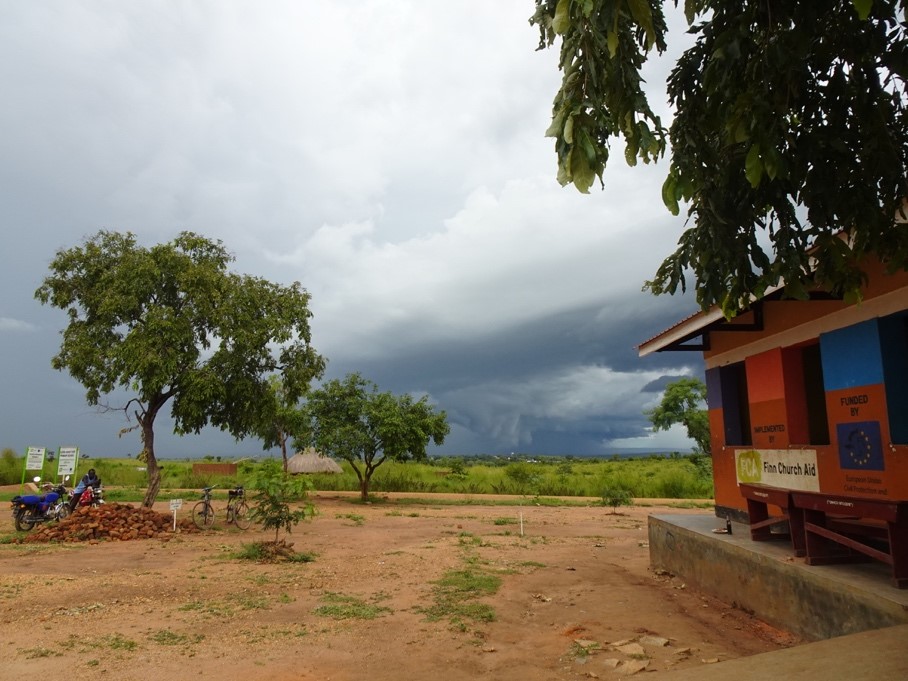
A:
501	260
673	438
9	324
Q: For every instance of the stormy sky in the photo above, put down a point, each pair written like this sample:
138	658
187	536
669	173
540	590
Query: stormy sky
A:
387	154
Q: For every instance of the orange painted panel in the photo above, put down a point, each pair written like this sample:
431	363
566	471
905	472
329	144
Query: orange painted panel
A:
849	405
716	429
764	376
795	395
769	424
890	483
725	479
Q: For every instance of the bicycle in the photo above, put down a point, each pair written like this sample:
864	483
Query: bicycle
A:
237	509
203	511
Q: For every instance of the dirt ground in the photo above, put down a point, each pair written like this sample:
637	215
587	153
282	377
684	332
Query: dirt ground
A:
577	600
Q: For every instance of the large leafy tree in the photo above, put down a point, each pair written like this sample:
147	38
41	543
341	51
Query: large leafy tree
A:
789	143
684	402
172	325
352	420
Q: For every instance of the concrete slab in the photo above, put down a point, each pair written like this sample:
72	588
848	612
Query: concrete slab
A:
815	602
878	655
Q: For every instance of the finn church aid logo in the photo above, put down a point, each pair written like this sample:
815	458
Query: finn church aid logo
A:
860	446
750	466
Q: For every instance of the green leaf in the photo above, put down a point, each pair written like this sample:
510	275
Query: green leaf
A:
612	43
557	124
562	20
564	171
630	153
753	166
581	173
669	195
643	15
863	8
691	9
853	297
771	163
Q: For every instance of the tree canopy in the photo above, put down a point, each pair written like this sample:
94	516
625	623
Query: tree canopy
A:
171	324
683	402
351	420
789	142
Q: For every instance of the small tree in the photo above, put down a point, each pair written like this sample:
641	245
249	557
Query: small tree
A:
283	418
615	497
274	492
351	420
683	403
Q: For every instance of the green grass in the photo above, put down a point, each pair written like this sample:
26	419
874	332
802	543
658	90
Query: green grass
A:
539	483
166	637
455	595
40	651
261	552
340	607
355	518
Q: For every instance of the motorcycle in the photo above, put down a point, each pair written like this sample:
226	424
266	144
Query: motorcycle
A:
32	509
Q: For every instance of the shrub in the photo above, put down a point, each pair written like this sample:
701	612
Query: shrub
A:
10	468
615	497
274	490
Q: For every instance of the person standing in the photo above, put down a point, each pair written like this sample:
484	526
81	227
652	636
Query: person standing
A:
90	479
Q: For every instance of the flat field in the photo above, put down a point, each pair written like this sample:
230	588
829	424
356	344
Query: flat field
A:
395	590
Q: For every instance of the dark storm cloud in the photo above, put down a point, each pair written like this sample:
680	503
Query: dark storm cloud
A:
523	370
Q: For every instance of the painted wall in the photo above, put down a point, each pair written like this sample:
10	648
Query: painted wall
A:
827	413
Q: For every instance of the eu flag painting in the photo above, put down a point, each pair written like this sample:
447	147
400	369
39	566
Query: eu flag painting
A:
860	446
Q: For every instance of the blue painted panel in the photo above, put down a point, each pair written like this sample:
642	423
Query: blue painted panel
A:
713	389
852	356
735	409
894	345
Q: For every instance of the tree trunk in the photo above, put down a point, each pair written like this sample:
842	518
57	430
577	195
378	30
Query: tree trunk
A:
364	489
154	472
284	452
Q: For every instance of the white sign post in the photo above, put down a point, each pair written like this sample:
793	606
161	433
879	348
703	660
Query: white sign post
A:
34	458
175	505
34	461
67	459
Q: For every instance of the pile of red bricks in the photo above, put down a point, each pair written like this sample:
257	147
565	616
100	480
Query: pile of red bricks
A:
110	522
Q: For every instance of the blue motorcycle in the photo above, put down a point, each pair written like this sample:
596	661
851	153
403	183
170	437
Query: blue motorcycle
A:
32	509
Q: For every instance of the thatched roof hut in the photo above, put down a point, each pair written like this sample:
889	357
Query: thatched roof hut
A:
310	461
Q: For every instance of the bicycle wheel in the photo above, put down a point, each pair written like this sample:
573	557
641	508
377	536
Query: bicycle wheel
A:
241	516
203	515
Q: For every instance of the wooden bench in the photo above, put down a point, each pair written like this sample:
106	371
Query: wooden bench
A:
846	529
759	498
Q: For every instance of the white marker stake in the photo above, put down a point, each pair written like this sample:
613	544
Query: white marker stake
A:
175	505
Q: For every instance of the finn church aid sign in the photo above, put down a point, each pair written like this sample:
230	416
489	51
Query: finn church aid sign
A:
786	468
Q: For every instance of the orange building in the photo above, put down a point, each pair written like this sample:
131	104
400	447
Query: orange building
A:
806	395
